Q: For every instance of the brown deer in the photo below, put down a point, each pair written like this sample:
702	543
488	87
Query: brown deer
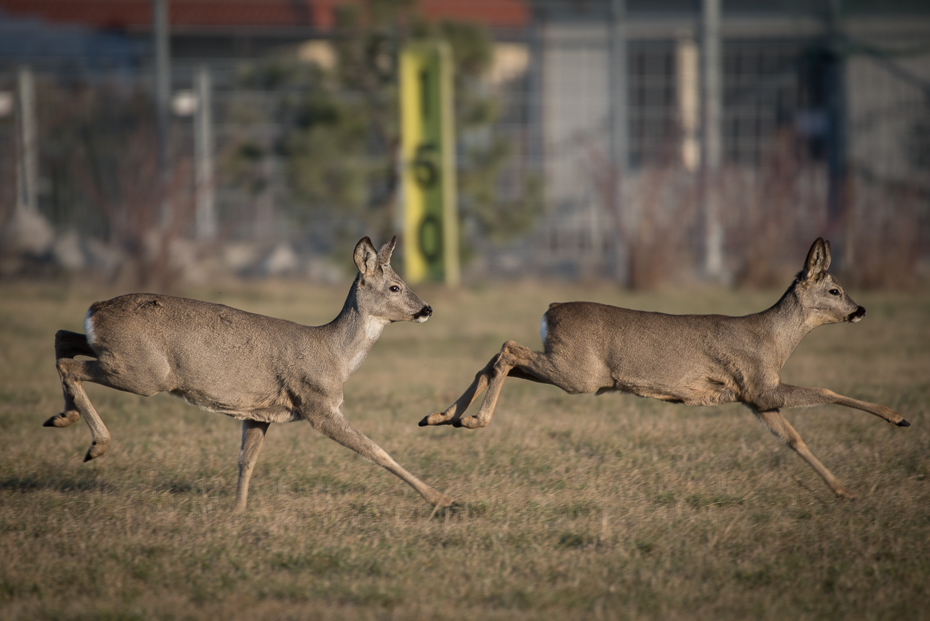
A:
258	369
690	359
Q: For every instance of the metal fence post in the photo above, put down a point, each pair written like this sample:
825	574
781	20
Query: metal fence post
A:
619	138
162	104
205	214
712	138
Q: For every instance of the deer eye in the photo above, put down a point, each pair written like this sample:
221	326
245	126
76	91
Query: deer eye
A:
395	288
834	291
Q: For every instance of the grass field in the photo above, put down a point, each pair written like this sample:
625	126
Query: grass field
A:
606	507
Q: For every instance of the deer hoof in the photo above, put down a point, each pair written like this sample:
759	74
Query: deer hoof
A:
96	450
469	422
62	420
439	418
903	423
441	501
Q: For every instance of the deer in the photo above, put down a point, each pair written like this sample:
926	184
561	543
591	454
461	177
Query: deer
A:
691	359
251	367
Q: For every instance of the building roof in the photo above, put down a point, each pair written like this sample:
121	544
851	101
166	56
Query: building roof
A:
263	14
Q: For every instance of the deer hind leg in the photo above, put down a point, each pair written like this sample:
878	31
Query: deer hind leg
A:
336	426
72	373
253	434
454	412
68	345
783	430
515	360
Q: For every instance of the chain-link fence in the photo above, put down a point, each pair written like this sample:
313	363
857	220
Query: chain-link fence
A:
822	134
786	173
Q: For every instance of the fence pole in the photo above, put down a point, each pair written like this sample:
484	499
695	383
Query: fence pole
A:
203	154
162	104
835	79
712	139
27	164
619	139
688	85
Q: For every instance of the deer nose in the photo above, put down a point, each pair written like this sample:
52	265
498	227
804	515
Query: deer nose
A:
857	315
426	311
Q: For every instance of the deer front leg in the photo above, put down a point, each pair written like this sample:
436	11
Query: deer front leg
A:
72	373
253	434
333	424
783	430
454	412
799	397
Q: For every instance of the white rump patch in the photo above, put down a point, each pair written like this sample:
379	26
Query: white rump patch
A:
543	329
89	329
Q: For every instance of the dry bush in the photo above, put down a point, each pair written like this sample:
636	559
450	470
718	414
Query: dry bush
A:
772	214
129	198
654	217
887	234
666	218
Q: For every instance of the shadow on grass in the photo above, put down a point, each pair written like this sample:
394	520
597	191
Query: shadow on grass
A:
93	483
58	483
185	488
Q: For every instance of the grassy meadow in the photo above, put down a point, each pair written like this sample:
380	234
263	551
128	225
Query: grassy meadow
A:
574	507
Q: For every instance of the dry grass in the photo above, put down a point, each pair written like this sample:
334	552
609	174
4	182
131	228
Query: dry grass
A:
576	507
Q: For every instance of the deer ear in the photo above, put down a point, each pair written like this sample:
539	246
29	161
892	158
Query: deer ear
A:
384	255
366	258
818	259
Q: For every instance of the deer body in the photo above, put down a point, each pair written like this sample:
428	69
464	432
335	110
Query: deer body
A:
266	363
258	369
690	359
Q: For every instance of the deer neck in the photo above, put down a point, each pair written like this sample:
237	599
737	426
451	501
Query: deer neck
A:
785	324
353	333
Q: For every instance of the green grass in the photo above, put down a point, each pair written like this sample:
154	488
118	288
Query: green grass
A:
574	507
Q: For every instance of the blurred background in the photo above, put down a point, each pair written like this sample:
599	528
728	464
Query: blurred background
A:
645	142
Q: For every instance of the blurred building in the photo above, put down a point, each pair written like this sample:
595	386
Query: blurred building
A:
823	124
834	91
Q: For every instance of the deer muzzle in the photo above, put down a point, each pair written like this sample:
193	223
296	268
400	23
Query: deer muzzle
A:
423	314
857	315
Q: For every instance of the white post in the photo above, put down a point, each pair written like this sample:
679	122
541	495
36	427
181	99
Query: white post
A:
27	233
205	215
689	99
27	164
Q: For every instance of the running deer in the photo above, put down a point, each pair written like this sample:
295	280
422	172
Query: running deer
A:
690	359
258	369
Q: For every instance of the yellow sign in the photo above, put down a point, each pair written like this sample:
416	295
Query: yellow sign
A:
431	248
